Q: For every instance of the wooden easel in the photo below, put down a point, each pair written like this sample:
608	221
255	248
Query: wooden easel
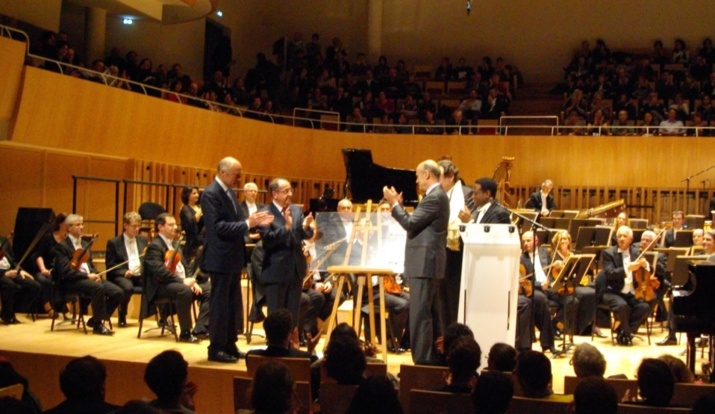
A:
363	274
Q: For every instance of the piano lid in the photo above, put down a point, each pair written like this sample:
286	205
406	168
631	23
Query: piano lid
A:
365	179
693	306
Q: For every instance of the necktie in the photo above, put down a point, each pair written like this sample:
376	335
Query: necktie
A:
232	196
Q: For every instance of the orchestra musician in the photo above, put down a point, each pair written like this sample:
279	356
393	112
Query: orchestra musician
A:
535	269
621	219
165	273
82	278
459	196
678	224
17	287
542	200
192	221
45	258
124	253
284	263
249	205
585	295
616	285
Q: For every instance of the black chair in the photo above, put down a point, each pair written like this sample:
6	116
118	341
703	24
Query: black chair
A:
161	306
77	317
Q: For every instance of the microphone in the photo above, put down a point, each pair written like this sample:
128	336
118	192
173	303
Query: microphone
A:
469	7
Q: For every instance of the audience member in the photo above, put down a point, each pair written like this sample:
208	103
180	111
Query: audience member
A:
273	389
83	382
594	395
463	359
588	361
345	361
656	384
452	334
375	395
681	372
492	393
533	373
704	405
282	339
502	357
166	376
8	377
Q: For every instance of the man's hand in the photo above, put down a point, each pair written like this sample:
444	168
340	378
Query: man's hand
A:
260	218
323	287
465	216
46	273
390	195
187	395
11	274
190	282
288	218
545	212
308	220
196	289
93	276
312	342
128	274
255	236
545	285
25	275
636	265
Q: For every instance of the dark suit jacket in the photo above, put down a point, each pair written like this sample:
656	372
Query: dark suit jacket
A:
534	201
192	228
425	254
63	255
224	245
281	352
283	249
117	253
154	272
613	267
244	210
496	214
544	258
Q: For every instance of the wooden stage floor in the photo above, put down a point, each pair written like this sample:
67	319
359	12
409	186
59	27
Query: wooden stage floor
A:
39	354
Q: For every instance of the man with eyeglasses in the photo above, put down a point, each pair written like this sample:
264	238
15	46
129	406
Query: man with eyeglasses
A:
284	264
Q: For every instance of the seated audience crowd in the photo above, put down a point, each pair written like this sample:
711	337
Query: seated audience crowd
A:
610	93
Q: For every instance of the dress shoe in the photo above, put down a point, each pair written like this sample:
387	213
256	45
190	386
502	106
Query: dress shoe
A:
188	338
122	321
201	334
91	323
668	340
101	330
10	321
224	357
628	340
234	352
550	349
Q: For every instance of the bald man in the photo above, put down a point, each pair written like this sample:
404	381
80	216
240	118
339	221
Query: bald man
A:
425	257
224	257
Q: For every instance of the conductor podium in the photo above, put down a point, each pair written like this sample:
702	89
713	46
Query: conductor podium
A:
490	273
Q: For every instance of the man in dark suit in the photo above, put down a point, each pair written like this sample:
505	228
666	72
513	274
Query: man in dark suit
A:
249	205
459	196
425	257
224	257
539	280
125	252
16	286
83	279
678	224
282	338
542	201
616	283
162	282
284	263
486	209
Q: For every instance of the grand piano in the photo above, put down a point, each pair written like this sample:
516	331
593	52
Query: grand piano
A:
693	305
365	179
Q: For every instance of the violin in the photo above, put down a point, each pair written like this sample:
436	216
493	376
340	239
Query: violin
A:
644	282
82	255
525	286
172	258
2	245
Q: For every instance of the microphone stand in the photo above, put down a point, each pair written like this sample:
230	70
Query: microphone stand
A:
687	185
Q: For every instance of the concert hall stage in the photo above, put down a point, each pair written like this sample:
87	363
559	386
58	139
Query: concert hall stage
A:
39	354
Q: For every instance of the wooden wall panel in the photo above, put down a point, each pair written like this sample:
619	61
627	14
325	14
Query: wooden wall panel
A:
11	69
107	121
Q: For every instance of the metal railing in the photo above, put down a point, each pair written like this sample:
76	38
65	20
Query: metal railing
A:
306	121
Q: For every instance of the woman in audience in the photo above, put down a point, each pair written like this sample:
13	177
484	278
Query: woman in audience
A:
656	384
501	357
681	54
680	371
576	103
597	125
650	125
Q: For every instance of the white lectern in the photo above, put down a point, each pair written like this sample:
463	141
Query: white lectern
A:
490	276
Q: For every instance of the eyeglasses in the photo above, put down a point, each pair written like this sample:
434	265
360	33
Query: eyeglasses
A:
285	191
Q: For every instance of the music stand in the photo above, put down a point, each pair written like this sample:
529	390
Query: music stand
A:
568	279
683	238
